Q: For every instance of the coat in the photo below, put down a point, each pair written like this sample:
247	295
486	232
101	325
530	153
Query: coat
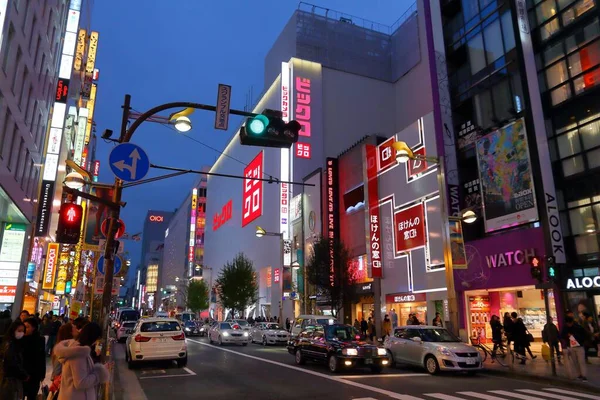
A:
13	374
34	356
496	331
550	333
386	328
80	376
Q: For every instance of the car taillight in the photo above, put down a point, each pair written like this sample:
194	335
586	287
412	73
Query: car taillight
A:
181	336
140	338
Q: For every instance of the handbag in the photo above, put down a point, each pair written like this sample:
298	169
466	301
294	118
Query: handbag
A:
529	337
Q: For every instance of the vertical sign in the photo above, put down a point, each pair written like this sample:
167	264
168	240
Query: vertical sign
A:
223	104
63	268
373	223
80	49
90	117
44	208
302	115
541	138
193	216
80	137
11	250
386	155
96	170
285	174
332	214
252	191
51	264
457	245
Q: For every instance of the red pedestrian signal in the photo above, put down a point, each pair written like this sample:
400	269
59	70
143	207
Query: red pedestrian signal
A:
69	223
536	269
535	262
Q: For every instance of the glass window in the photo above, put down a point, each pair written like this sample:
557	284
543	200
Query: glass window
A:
568	144
586	244
483	109
582	220
507	31
590	134
593	158
493	41
545	11
584	59
502	100
161	326
560	94
572	166
9	40
476	54
580	38
581	7
564	3
588	80
564	224
549	29
557	74
553	53
470	9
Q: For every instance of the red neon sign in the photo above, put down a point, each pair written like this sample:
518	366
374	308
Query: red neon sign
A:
410	228
253	190
374	242
302	114
96	168
225	215
415	167
303	150
387	154
157	218
276	275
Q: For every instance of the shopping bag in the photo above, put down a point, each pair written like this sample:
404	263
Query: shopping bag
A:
546	352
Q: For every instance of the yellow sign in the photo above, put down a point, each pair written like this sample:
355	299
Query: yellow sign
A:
90	106
75	309
63	267
80	50
50	268
77	267
92	49
152	279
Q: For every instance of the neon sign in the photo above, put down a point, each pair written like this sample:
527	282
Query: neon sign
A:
156	218
374	224
252	191
221	218
332	215
302	115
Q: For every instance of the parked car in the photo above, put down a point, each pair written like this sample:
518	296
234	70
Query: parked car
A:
228	332
268	333
125	330
124	315
433	348
191	328
156	339
204	328
339	346
303	321
245	325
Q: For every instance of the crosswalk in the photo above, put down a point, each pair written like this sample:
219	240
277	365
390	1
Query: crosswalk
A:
521	394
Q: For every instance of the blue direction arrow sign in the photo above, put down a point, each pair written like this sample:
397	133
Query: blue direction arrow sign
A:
129	162
117	266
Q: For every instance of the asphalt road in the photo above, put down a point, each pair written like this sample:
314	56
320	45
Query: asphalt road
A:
269	373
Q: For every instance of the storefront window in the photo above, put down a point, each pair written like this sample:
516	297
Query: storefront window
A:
545	11
568	144
476	54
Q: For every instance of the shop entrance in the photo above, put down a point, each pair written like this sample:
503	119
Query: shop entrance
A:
405	304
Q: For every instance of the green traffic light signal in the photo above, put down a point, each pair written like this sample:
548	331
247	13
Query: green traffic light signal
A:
551	272
257	125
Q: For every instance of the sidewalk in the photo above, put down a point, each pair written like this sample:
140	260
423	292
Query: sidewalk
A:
538	369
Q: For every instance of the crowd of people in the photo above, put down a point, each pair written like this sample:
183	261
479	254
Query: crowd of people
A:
72	345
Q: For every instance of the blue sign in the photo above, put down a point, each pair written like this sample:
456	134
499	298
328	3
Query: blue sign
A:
116	267
129	162
30	272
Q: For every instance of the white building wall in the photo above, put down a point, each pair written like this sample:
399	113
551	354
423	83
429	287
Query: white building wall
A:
175	251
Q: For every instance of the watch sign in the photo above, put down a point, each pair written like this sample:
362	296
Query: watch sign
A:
410	228
252	191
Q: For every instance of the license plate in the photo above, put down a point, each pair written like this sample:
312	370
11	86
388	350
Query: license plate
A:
471	361
195	331
160	340
368	361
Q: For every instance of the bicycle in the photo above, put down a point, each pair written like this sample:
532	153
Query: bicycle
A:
485	351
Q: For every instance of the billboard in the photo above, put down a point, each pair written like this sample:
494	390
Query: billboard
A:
374	246
332	221
409	226
51	266
253	190
506	180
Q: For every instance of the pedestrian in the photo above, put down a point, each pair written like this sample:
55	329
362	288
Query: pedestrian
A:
528	341
415	320
13	371
394	318
591	334
508	329
80	376
24	315
496	327
437	321
364	327
5	323
53	332
371	328
550	336
34	358
46	329
357	324
572	337
288	324
409	321
519	336
78	325
64	337
386	327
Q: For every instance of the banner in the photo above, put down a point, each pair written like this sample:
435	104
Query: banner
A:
375	251
96	214
457	245
51	264
332	222
65	261
506	181
410	228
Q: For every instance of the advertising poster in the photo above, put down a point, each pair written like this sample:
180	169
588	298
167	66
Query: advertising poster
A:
480	318
253	190
51	266
506	181
457	245
410	228
96	214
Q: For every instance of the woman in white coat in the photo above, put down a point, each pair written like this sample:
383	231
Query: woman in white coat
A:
80	376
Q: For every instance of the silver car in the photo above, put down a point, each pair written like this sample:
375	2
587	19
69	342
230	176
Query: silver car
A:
268	333
228	332
432	347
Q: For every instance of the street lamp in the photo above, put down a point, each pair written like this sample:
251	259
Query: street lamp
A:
181	121
74	180
260	232
295	265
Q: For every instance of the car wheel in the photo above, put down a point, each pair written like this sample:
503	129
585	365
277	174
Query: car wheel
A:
182	362
376	369
264	343
431	365
299	357
333	363
130	363
392	361
245	344
220	341
210	341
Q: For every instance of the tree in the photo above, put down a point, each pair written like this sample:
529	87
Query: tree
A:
196	294
237	285
337	288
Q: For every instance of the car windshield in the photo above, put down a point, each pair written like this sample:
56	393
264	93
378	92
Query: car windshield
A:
325	321
160	326
129	315
438	335
272	326
341	333
129	324
241	322
186	317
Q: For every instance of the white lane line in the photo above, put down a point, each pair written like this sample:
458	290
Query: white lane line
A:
442	396
574	394
381	376
391	394
365	398
546	394
189	373
515	395
481	396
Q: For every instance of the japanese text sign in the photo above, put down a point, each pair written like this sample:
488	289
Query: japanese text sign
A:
386	154
410	228
374	225
253	190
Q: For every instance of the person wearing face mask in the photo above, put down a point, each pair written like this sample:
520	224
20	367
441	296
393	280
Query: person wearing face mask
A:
13	370
34	358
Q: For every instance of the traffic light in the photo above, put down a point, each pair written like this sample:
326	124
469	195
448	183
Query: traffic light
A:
551	269
536	268
69	223
269	130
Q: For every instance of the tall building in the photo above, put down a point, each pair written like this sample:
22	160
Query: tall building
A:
34	36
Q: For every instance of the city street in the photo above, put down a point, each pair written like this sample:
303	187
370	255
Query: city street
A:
256	372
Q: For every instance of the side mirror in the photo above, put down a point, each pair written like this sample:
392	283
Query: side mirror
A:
416	339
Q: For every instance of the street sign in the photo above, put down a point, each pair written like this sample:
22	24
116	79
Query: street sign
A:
117	266
120	230
129	162
223	103
99	285
102	246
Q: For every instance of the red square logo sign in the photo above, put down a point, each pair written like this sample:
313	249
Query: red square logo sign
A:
253	190
415	167
410	228
302	150
386	154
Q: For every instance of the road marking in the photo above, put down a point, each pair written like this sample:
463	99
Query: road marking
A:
442	396
481	396
366	398
380	376
516	395
189	373
578	394
546	394
391	394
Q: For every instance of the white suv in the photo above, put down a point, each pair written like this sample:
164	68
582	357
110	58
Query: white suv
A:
156	339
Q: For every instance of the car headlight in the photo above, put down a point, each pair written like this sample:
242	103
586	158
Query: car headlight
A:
187	329
445	351
201	329
381	351
350	352
225	333
246	334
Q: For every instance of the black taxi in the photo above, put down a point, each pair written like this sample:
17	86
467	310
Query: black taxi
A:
338	345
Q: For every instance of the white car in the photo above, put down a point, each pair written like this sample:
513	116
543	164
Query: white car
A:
228	332
242	323
156	339
269	333
125	330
